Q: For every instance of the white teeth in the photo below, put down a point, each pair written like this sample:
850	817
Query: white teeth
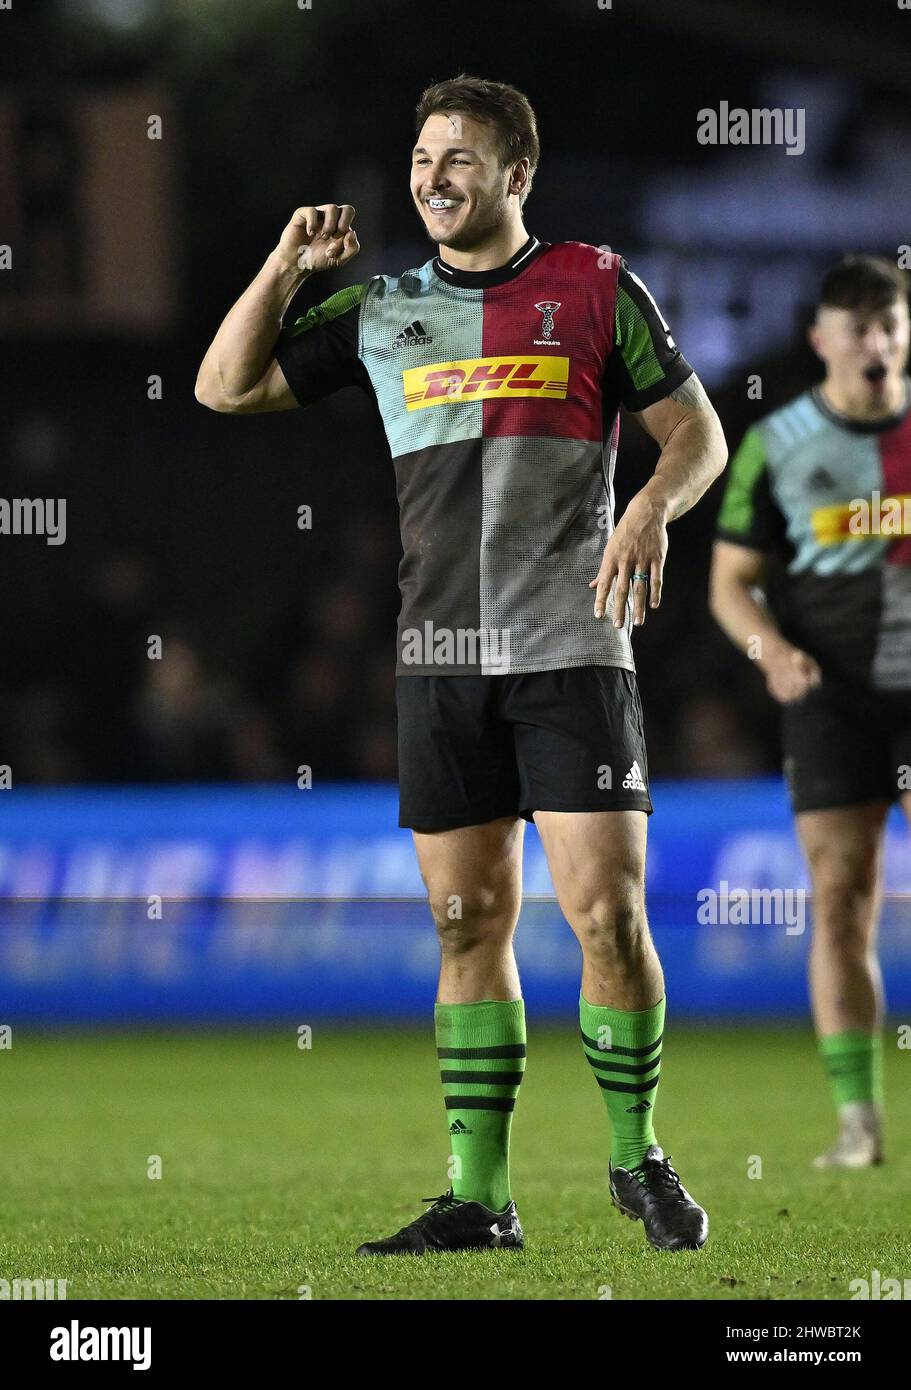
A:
440	203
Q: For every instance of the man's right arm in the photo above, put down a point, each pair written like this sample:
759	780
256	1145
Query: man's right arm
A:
239	374
749	529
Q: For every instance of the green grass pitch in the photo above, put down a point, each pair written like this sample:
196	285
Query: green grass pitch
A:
276	1162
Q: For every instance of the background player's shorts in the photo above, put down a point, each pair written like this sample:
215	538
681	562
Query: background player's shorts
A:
844	745
474	748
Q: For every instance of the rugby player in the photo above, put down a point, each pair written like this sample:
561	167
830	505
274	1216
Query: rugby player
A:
498	368
814	483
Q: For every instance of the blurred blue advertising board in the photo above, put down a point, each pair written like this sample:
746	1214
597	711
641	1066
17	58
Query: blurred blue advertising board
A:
243	904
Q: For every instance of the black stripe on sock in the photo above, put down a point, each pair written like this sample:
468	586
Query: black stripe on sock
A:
623	1051
637	1070
471	1053
484	1078
622	1085
480	1103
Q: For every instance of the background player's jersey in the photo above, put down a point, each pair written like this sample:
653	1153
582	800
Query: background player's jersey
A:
794	486
499	393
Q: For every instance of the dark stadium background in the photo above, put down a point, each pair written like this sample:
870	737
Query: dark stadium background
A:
182	523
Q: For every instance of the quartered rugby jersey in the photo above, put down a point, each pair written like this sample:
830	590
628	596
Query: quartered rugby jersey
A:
829	494
499	393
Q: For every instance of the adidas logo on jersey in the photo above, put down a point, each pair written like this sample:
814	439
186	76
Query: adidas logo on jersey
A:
633	782
820	478
415	335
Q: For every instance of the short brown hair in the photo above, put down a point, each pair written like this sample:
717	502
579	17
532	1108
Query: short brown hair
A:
863	282
496	104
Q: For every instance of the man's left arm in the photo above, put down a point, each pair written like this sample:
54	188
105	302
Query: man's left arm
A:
654	381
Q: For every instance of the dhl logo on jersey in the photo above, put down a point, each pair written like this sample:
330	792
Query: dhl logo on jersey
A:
882	517
483	378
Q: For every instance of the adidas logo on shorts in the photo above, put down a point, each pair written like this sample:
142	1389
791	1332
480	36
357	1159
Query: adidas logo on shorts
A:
633	782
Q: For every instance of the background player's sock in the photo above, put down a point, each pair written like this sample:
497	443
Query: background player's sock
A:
853	1062
627	1072
482	1058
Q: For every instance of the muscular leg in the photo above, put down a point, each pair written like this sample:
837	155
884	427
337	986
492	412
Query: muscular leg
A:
843	848
474	884
597	863
473	878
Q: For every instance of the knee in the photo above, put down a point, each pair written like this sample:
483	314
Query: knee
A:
466	921
843	896
842	921
610	923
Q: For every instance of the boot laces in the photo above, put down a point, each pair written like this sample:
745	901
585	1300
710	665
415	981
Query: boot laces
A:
659	1177
445	1202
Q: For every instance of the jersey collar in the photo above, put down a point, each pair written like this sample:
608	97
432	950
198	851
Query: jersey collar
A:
483	279
847	422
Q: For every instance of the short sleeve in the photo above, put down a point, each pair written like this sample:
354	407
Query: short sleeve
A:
646	364
318	352
749	514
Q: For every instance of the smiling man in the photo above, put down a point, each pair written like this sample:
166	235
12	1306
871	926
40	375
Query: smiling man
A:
499	367
806	486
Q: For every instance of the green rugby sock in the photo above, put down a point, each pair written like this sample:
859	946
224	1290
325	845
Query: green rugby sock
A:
624	1050
853	1062
482	1059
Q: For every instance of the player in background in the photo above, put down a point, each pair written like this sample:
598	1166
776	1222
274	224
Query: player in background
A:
811	482
498	368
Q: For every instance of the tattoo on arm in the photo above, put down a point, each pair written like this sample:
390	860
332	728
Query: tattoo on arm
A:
691	394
